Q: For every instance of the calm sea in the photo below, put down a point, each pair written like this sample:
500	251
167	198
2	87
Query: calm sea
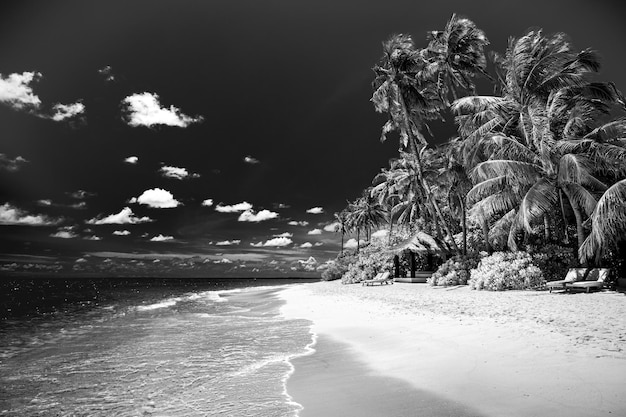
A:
162	347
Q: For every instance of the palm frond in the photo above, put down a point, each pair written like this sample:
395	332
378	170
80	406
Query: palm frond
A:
497	167
540	199
494	205
486	188
581	196
608	223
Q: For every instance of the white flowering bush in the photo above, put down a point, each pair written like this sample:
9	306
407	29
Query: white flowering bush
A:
370	261
506	271
455	271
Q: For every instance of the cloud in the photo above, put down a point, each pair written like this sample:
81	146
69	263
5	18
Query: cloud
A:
64	234
308	265
10	215
333	227
315	210
121	233
92	237
228	242
286	234
177	173
235	208
318	243
380	233
306	245
81	194
45	202
351	244
156	198
315	232
107	73
131	160
16	92
300	223
223	261
145	110
9	164
67	111
208	202
161	238
125	216
263	215
250	160
275	242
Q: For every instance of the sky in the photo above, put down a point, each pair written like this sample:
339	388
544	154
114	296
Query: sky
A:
213	138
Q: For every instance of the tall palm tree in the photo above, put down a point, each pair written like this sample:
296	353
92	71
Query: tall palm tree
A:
342	221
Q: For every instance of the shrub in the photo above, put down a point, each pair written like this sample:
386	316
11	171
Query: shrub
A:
553	260
338	267
506	271
455	271
367	263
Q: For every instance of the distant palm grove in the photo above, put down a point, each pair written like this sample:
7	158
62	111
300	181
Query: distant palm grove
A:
540	163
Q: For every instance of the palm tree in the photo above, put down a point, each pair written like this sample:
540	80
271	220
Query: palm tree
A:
341	220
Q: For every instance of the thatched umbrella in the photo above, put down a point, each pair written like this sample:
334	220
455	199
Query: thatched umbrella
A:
418	242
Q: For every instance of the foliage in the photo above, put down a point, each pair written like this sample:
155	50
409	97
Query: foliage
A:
455	271
338	267
506	271
553	260
370	260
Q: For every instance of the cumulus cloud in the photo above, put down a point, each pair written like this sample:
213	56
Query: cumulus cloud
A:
263	215
298	223
177	173
208	202
9	164
10	215
131	160
125	216
67	111
250	160
235	208
156	198
286	234
333	227
144	109
306	245
227	242
275	242
315	210
380	233
81	194
121	233
64	234
16	92
351	244
45	202
161	238
92	237
315	232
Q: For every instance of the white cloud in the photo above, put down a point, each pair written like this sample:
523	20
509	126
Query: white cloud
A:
351	244
263	215
306	245
144	109
318	243
121	233
131	160
208	202
315	210
235	208
92	237
9	164
161	238
44	202
16	92
315	232
64	234
308	265
228	242
10	215
250	160
275	242
66	111
286	234
125	216
300	223
333	227
380	234
177	173
156	198
81	194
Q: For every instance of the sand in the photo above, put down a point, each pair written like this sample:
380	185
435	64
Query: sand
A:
459	352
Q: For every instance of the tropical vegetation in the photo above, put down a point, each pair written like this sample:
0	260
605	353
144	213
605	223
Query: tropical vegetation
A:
541	161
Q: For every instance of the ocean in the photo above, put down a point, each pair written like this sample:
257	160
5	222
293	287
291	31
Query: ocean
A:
147	347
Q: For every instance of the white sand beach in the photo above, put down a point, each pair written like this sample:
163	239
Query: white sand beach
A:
516	353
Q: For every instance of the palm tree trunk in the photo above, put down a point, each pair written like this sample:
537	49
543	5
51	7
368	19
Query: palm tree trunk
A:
464	226
358	239
566	240
546	228
342	234
580	230
485	227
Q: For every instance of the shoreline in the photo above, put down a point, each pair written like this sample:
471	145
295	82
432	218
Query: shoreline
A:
515	353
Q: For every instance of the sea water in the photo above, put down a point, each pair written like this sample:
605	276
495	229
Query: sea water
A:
147	347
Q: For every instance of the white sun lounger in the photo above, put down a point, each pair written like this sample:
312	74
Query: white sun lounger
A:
596	279
382	278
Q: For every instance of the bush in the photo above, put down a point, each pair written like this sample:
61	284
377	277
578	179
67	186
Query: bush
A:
455	271
367	263
338	267
506	271
553	260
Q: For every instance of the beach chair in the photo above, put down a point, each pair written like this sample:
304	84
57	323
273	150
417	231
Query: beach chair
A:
382	278
596	279
574	274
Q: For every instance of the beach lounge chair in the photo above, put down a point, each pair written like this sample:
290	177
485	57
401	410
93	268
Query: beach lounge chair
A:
574	274
382	278
595	279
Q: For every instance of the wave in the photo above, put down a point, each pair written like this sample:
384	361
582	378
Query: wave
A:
163	304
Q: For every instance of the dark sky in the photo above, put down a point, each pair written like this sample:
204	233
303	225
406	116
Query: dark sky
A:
263	102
